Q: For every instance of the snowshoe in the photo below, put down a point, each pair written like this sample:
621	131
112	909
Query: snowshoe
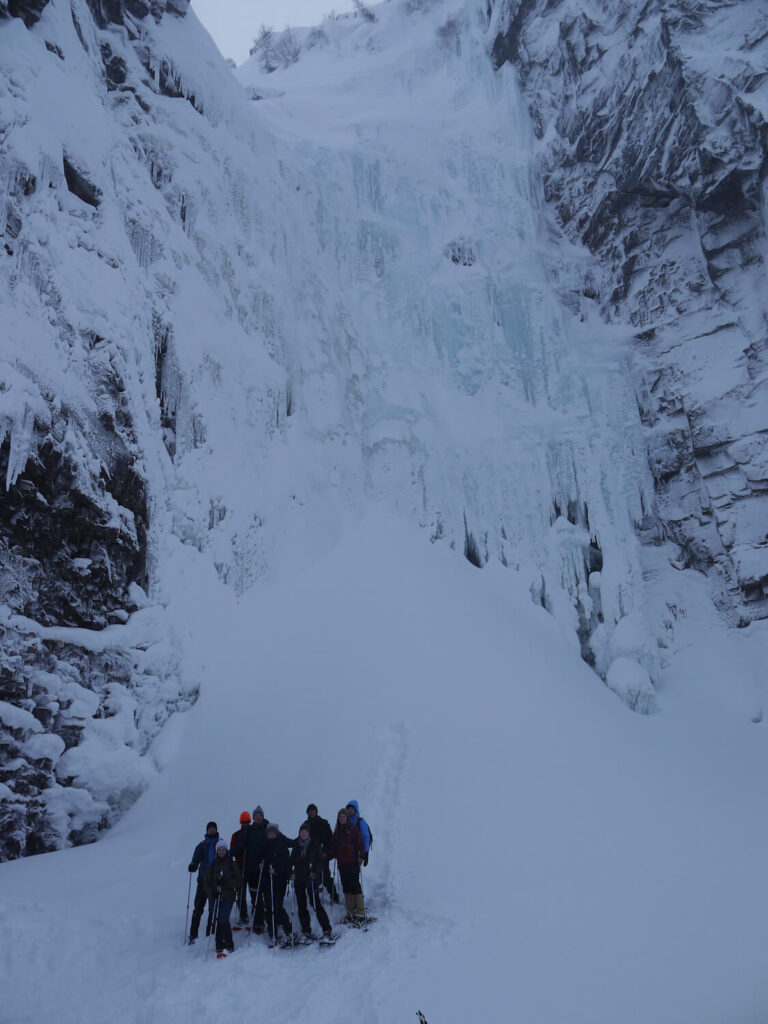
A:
362	922
328	939
220	954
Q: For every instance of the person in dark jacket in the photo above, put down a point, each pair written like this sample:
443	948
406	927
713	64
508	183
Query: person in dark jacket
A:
307	860
275	865
349	849
322	834
235	846
202	859
222	882
250	845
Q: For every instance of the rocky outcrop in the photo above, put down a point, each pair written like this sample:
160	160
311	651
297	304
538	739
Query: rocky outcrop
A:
654	153
79	689
28	10
105	12
114	12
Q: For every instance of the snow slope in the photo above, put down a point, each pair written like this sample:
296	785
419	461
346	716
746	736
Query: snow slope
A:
541	854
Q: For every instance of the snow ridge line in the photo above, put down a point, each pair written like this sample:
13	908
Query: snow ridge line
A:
383	811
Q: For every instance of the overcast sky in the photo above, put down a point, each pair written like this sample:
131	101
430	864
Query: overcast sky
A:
234	23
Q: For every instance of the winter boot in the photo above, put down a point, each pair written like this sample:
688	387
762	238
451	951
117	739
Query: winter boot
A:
359	909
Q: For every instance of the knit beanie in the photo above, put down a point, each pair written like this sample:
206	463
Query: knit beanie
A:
272	827
258	810
245	818
311	807
211	824
305	827
221	845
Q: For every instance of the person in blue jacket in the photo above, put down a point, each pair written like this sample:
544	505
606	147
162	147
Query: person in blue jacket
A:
353	813
202	858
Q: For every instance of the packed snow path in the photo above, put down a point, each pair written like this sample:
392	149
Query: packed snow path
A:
542	854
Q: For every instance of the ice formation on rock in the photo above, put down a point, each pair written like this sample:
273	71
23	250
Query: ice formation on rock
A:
463	264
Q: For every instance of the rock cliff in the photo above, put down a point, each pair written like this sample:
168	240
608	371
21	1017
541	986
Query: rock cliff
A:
654	151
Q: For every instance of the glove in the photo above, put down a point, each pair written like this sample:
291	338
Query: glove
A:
365	860
191	867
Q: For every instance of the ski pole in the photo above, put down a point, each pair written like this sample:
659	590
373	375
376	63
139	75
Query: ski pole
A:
336	876
243	894
362	893
333	890
255	907
316	894
186	923
215	922
293	908
271	893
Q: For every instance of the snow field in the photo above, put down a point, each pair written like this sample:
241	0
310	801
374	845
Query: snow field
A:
540	852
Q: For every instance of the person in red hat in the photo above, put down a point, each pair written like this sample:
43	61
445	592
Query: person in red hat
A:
242	894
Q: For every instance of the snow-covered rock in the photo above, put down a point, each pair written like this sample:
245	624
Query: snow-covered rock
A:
632	684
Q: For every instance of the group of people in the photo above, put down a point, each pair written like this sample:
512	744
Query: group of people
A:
261	861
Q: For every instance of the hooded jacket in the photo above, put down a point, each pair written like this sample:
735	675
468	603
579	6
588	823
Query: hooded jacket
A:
362	824
203	856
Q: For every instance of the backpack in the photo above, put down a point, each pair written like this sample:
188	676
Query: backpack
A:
370	833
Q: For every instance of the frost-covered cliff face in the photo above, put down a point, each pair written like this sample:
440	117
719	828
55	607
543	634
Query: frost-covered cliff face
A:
653	145
82	693
233	319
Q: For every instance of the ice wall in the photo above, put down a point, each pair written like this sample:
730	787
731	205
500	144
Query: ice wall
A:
234	318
